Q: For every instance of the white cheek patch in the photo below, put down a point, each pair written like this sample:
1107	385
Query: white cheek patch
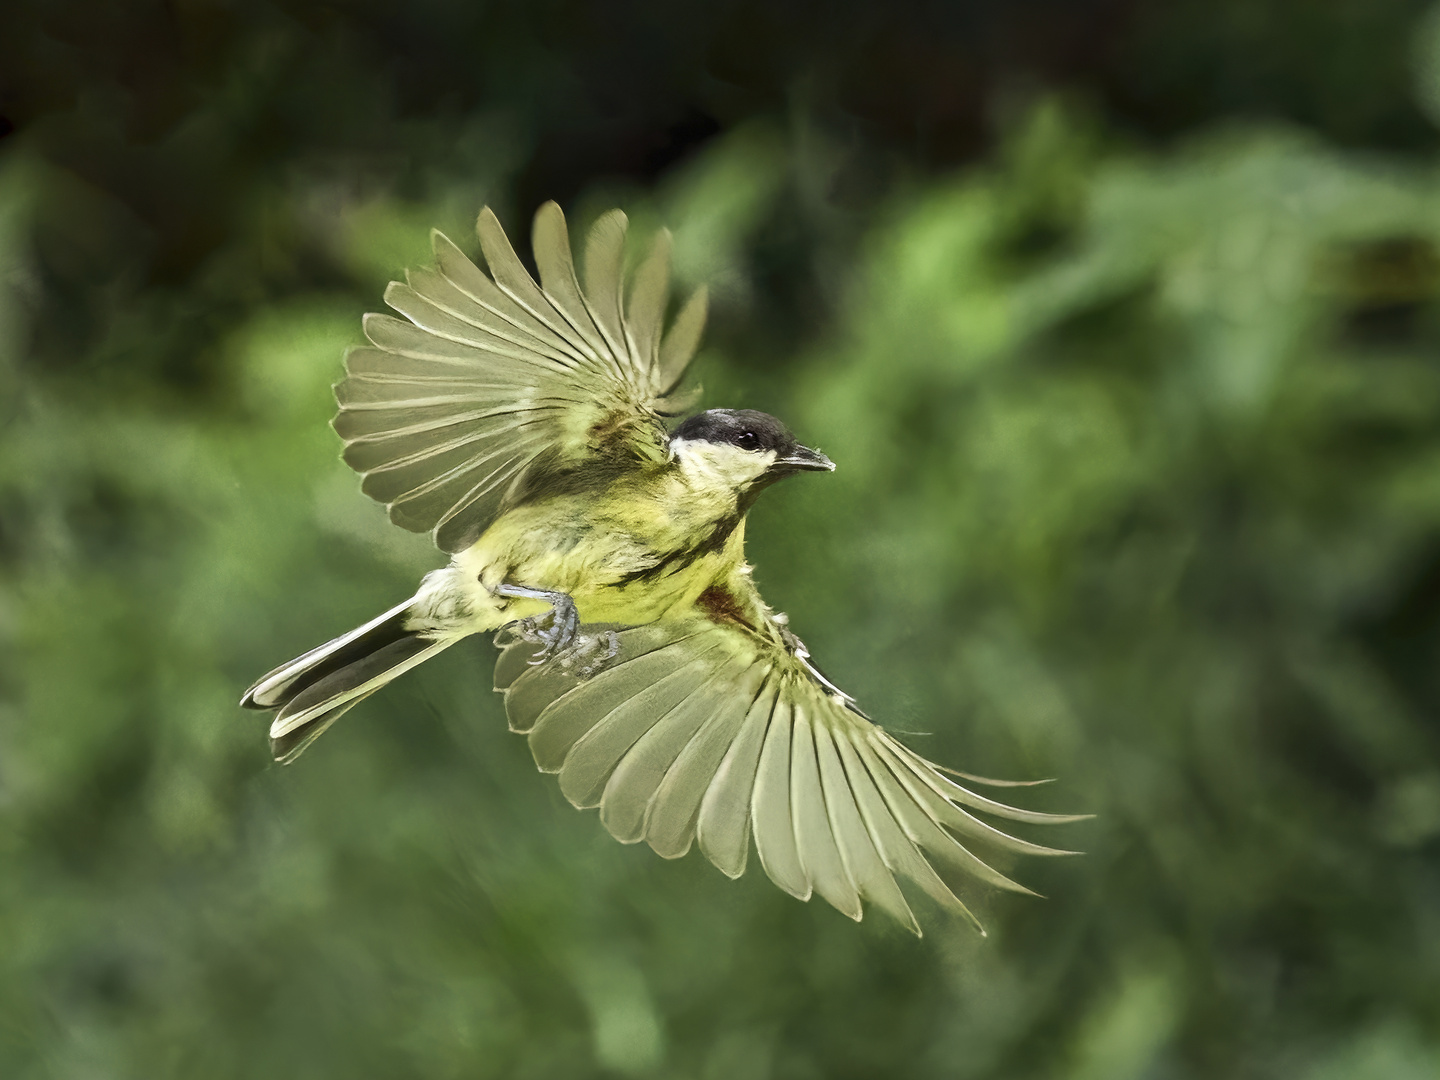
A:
720	464
746	466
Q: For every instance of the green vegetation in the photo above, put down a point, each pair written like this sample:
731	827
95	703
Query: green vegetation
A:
1138	487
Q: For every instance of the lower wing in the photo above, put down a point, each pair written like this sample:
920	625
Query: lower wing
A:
710	731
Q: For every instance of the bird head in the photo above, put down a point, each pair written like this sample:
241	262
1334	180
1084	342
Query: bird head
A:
743	449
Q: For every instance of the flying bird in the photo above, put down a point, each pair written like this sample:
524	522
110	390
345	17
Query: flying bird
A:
523	424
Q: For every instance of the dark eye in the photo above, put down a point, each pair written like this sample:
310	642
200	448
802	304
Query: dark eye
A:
747	440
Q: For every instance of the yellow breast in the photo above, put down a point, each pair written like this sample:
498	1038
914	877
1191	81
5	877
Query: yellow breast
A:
635	553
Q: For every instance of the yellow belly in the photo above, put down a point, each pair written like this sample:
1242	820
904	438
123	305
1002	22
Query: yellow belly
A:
605	563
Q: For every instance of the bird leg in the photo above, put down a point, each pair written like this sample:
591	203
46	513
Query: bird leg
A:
556	629
558	632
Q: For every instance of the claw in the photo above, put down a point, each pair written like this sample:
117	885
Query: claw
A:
588	654
557	631
581	655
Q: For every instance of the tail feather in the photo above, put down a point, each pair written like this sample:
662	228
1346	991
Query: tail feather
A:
291	745
274	689
312	691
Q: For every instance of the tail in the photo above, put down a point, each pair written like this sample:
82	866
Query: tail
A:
312	691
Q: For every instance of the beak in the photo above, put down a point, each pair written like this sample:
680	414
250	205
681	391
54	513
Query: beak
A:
803	459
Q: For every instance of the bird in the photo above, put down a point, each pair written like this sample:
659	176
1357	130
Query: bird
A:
525	424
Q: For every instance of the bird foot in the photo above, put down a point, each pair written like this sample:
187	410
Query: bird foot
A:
578	654
557	632
588	654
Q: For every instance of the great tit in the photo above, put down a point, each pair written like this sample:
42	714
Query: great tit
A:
523	425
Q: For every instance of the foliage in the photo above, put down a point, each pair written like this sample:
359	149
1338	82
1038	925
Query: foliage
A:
1139	488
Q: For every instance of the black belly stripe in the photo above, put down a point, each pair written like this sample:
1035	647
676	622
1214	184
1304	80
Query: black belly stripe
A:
681	558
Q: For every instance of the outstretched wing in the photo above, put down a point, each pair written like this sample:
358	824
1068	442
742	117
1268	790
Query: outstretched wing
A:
492	382
711	730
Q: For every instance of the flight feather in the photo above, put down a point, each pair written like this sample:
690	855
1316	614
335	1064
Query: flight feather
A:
490	379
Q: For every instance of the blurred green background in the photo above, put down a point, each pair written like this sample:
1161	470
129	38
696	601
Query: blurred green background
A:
1121	322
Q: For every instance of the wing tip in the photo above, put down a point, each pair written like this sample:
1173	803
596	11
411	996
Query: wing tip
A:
393	288
550	215
614	214
486	219
707	849
439	242
700	298
1062	819
990	781
1050	852
367	321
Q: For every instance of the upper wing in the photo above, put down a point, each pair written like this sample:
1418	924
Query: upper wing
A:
496	380
711	730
